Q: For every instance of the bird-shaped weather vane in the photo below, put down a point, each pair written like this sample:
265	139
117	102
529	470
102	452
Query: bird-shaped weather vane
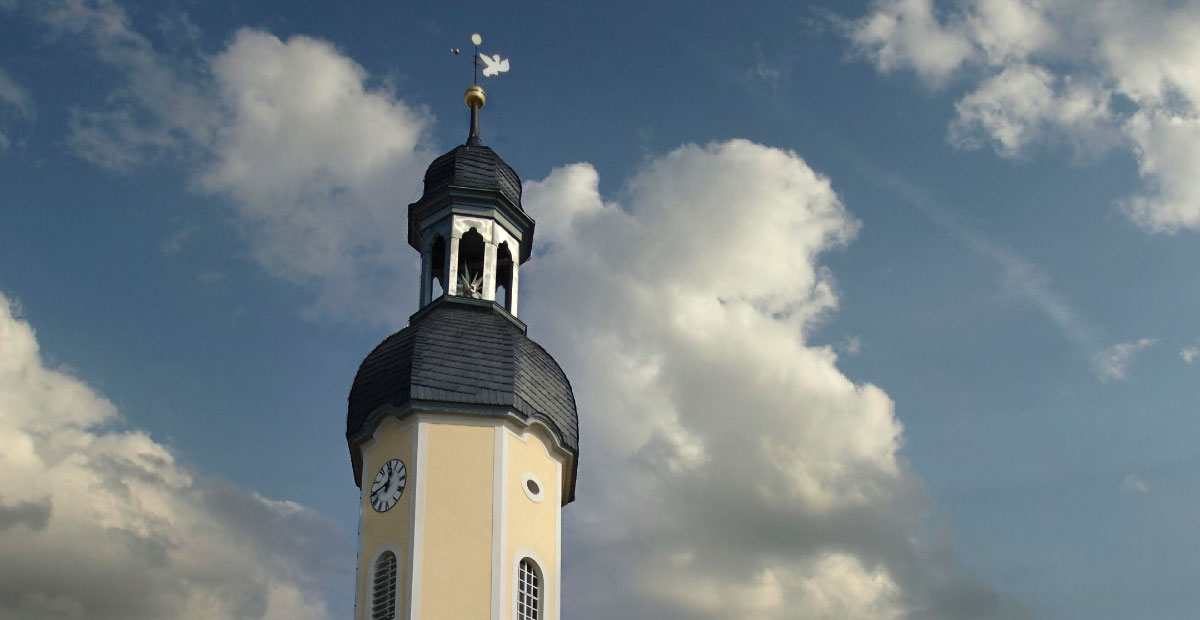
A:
474	97
492	65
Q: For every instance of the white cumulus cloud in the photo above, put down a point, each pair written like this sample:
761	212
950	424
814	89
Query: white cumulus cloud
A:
152	113
1112	364
15	103
1133	483
14	95
1058	70
316	165
744	475
1022	104
905	34
97	522
330	212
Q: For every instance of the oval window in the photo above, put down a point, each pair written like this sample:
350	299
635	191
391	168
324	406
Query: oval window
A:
533	487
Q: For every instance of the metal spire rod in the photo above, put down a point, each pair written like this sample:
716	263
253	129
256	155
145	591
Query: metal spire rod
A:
474	97
477	40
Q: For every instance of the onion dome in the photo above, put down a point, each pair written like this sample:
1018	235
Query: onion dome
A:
475	166
467	356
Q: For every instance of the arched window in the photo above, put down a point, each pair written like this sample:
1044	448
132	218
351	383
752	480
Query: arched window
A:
504	275
383	588
437	275
529	591
470	265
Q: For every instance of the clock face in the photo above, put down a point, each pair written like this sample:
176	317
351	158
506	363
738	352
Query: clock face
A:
389	485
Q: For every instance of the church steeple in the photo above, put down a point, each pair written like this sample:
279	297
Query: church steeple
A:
463	432
469	225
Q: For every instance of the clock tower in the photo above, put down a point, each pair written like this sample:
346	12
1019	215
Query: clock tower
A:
463	433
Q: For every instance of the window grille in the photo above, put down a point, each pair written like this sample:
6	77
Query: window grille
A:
528	591
383	593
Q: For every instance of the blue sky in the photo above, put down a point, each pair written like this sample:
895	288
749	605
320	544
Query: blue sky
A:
872	309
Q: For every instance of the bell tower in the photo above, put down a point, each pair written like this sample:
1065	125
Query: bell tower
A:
463	432
469	226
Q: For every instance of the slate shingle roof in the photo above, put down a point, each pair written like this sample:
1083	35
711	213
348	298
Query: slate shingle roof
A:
465	352
475	166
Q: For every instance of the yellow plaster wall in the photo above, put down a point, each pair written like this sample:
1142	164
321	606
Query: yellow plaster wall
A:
458	495
456	563
531	525
396	440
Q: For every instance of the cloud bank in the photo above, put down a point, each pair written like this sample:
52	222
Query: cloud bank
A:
1096	75
100	523
740	474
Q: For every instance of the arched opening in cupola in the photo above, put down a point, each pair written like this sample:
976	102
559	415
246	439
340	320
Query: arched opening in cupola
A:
504	276
470	265
437	251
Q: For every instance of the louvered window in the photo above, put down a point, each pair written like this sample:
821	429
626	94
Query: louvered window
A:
529	593
383	592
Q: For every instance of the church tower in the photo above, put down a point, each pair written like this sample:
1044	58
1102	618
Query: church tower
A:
462	431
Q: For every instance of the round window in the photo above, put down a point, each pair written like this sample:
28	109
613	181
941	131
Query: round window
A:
532	487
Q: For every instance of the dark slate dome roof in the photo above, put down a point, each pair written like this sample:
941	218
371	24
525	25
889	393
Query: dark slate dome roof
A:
465	352
476	166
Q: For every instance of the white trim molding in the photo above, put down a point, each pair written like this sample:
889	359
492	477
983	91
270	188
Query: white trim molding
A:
360	583
417	534
558	544
499	518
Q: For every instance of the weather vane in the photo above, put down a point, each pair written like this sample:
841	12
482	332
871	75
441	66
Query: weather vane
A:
475	98
492	65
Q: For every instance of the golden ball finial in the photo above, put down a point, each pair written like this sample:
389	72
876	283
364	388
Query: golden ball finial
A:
474	97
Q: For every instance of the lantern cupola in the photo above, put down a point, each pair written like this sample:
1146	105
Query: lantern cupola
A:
469	225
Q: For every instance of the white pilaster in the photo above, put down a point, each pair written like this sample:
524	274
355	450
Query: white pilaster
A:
452	266
512	293
489	271
426	277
